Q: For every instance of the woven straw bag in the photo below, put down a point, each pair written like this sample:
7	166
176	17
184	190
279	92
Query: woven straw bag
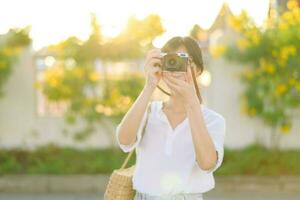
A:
119	186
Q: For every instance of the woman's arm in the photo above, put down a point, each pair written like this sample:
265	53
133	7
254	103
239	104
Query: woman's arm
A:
206	154
208	140
130	123
132	119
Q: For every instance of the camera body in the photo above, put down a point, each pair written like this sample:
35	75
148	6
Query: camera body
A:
174	62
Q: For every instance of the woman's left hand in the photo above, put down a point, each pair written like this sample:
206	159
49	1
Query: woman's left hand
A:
184	89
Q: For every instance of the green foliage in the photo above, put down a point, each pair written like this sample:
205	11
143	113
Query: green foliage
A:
257	160
90	94
253	160
11	45
54	160
271	70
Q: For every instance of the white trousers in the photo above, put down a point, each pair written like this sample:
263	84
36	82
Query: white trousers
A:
182	196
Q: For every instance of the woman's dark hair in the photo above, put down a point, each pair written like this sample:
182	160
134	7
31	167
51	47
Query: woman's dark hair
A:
190	44
193	49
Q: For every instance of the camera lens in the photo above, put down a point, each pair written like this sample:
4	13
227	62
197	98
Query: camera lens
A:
172	61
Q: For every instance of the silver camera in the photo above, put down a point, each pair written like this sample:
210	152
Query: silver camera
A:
174	62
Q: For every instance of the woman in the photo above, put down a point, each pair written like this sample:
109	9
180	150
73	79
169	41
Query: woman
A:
183	140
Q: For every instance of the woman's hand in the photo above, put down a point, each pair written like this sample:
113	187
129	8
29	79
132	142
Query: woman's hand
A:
184	89
153	68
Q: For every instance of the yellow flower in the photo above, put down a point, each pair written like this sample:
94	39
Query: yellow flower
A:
297	86
108	111
99	108
280	89
296	13
267	66
285	128
236	22
37	85
253	36
11	51
252	111
288	17
217	50
3	64
78	72
94	76
282	26
292	81
243	109
285	53
292	4
242	44
53	82
103	109
248	74
255	39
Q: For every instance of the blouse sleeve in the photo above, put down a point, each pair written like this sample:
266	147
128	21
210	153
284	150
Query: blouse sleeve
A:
130	147
217	129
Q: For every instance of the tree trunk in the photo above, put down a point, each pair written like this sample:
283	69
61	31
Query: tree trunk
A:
275	139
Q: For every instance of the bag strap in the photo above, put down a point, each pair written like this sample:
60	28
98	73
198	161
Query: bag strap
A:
129	155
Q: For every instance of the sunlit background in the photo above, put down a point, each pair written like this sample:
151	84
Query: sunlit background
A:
49	18
70	71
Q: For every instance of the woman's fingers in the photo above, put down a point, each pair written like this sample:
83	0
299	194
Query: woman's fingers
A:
153	53
175	81
153	62
172	85
155	70
189	75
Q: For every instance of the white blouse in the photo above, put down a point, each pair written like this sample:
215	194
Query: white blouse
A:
165	158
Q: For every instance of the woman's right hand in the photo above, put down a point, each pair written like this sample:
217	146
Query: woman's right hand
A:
153	68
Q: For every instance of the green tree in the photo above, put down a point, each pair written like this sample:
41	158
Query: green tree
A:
89	94
11	45
272	73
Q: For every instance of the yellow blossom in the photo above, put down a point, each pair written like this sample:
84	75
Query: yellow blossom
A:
236	22
288	17
53	82
255	39
282	26
280	89
292	4
242	44
292	81
243	109
252	111
253	36
267	66
94	76
274	53
248	74
103	109
285	53
297	86
285	128
3	64
78	72
217	50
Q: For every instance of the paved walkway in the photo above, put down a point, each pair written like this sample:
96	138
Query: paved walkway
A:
208	196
